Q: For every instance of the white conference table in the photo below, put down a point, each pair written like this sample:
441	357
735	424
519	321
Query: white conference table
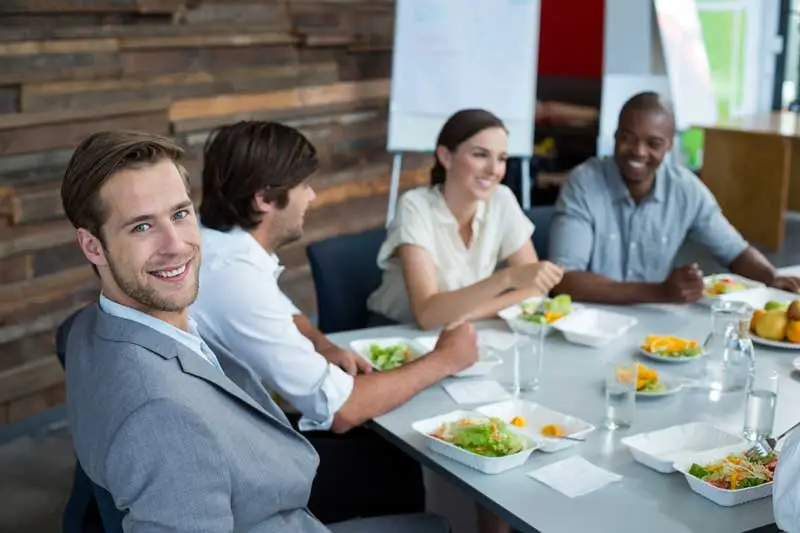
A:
572	383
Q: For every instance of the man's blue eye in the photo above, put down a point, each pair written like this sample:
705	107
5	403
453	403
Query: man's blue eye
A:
140	228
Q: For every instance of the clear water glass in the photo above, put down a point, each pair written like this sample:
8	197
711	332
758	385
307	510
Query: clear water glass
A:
528	355
760	402
731	355
620	401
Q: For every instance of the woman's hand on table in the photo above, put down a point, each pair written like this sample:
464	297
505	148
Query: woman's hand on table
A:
542	276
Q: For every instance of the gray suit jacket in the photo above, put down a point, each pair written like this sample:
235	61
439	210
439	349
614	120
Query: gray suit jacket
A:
179	445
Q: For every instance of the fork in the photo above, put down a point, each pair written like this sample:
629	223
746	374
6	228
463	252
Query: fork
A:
766	446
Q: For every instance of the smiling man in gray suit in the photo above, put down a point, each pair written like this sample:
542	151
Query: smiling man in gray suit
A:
156	417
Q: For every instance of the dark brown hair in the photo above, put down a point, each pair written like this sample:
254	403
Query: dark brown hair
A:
458	128
247	158
96	159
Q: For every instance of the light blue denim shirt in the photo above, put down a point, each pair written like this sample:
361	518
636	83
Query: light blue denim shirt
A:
597	227
191	339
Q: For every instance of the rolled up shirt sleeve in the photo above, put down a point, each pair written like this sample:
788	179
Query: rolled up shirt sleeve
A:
572	231
711	229
242	310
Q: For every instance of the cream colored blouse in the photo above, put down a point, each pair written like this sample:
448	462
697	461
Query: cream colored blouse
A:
499	229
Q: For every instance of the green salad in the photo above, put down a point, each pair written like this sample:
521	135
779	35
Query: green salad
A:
389	357
490	438
551	310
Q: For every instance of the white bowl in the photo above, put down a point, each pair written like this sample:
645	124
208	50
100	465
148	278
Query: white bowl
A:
724	497
361	347
660	449
748	283
536	417
487	465
487	359
594	327
511	316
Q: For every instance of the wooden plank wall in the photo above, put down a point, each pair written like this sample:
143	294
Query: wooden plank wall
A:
177	67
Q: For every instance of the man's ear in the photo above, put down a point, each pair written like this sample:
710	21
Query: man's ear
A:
445	156
262	205
92	248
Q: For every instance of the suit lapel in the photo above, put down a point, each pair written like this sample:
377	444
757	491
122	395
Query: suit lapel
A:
122	329
194	365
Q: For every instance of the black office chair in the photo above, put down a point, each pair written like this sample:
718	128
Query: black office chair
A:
90	509
345	273
541	216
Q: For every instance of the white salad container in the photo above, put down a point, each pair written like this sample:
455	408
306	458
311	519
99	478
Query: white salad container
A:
362	347
487	465
724	497
660	449
512	316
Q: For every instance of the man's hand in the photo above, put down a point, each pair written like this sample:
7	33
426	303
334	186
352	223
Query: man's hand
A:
458	346
787	283
346	360
684	284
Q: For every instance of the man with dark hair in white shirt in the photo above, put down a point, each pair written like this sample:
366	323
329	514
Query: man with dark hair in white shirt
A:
255	194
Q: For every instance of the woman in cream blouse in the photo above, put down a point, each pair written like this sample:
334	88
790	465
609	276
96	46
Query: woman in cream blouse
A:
441	253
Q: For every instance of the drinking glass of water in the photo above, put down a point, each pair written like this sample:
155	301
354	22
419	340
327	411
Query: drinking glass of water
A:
528	362
620	378
759	409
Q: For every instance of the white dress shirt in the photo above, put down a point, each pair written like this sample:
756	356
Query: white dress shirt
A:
786	491
241	309
499	228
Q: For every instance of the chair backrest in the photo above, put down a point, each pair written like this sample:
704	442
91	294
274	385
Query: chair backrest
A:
541	216
85	494
345	273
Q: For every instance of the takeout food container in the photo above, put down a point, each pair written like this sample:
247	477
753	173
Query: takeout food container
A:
487	465
723	497
660	449
594	327
487	359
362	346
537	416
512	317
709	299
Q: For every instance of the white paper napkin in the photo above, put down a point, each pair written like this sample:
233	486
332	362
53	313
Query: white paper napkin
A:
476	391
574	476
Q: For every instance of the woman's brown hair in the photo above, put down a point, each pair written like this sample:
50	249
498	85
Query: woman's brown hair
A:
458	128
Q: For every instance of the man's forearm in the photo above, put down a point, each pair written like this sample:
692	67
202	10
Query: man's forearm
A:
379	392
309	331
753	265
590	287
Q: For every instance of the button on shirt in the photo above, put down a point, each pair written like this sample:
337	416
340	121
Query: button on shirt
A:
191	339
241	309
499	228
597	227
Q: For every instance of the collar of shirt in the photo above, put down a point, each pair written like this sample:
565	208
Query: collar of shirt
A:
617	184
220	246
445	216
189	339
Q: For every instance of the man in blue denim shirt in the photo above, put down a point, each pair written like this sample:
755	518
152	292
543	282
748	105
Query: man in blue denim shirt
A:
620	221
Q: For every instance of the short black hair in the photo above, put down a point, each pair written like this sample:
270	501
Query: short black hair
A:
648	101
247	158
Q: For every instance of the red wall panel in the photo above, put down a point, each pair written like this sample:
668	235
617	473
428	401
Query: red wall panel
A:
571	38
